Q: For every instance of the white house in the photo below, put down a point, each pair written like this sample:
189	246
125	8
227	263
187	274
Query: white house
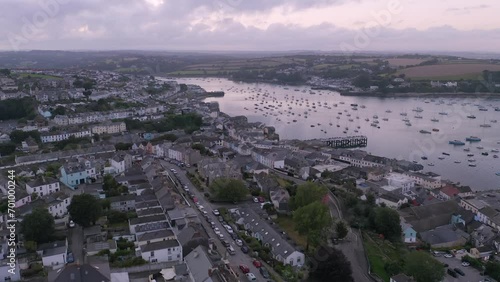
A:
162	251
43	186
155	236
54	254
400	181
121	162
58	207
60	136
392	200
427	180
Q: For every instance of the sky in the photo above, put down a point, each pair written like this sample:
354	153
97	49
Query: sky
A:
251	25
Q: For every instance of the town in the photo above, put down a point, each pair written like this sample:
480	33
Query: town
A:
122	177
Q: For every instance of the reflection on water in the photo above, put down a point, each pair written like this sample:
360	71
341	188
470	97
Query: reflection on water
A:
403	128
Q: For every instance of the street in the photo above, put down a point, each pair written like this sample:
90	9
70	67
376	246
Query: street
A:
239	257
76	244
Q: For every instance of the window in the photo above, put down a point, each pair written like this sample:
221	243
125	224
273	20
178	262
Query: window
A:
152	253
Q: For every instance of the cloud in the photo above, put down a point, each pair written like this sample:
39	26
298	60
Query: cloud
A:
207	25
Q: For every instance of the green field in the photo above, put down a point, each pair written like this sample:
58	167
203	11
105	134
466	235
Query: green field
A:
379	252
469	76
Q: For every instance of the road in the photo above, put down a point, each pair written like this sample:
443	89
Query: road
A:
76	244
239	257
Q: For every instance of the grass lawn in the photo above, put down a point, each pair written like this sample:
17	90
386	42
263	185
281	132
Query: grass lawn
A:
286	223
379	252
470	76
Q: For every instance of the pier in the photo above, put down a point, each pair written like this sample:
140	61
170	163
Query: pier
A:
347	142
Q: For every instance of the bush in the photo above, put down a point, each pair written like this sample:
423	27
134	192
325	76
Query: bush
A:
476	263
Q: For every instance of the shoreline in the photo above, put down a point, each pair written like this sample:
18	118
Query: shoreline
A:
418	94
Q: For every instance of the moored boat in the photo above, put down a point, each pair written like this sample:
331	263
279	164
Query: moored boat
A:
473	139
456	143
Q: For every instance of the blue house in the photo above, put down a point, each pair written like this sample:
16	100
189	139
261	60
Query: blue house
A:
74	174
409	234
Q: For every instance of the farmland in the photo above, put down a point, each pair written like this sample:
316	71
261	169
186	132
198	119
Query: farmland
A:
450	71
402	62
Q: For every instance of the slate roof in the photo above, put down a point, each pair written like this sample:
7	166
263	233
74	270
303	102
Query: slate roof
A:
159	245
81	273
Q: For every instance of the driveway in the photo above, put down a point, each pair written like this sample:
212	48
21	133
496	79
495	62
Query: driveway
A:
471	274
239	257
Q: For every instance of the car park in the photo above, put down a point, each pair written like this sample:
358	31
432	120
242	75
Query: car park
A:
459	271
251	276
452	273
244	268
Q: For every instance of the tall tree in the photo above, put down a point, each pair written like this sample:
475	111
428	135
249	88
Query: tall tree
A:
341	229
38	226
387	223
307	193
231	190
330	264
311	221
85	209
423	267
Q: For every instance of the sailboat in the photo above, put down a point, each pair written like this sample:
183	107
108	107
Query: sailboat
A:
485	124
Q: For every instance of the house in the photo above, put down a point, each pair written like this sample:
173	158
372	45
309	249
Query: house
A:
60	136
391	200
109	128
401	278
427	217
281	249
123	203
145	224
409	234
29	145
22	197
162	251
121	161
212	169
80	273
448	192
58	204
446	236
199	265
74	174
483	253
427	180
54	254
43	186
94	247
6	273
270	158
280	199
155	236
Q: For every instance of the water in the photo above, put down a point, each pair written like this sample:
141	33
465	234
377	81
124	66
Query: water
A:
393	139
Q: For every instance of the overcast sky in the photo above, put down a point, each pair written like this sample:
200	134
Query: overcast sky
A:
251	25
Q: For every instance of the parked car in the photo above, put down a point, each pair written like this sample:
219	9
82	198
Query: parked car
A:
452	273
448	255
459	271
225	243
256	263
70	258
234	236
244	268
71	224
255	200
231	251
212	224
264	272
261	199
221	219
216	212
217	230
238	242
465	264
220	236
251	276
244	249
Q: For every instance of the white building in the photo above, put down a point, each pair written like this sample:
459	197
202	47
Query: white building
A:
54	254
162	251
43	186
59	207
400	181
60	136
121	162
427	180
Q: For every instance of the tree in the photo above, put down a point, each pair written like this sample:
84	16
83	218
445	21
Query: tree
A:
60	110
423	267
341	229
386	221
330	264
38	226
112	188
307	193
85	209
493	270
230	190
363	81
311	221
